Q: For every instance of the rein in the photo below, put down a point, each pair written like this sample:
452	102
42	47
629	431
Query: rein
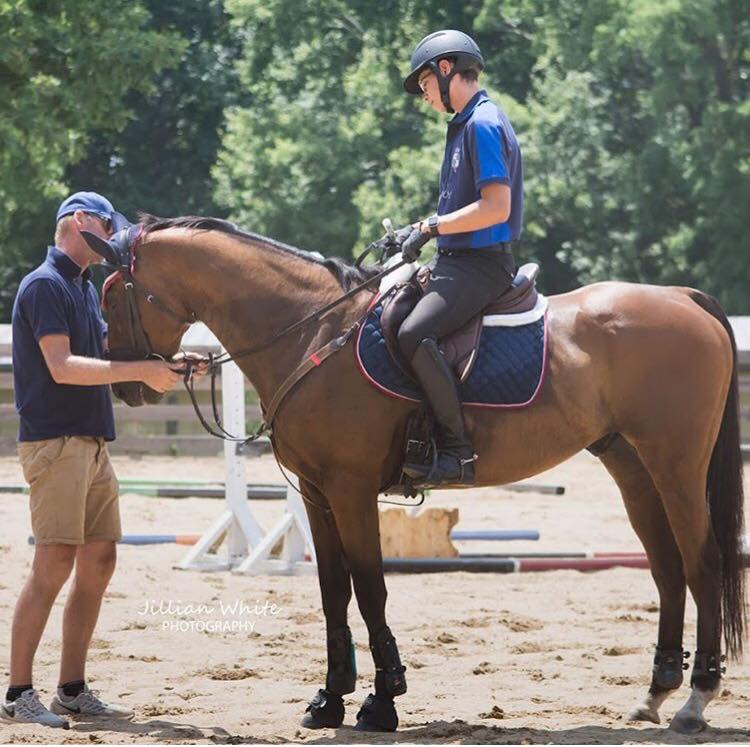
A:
308	364
141	348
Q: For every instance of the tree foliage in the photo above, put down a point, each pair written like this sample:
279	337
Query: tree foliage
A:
289	116
632	114
64	70
160	162
329	120
639	151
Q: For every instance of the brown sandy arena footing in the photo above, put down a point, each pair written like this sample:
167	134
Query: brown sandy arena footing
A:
540	657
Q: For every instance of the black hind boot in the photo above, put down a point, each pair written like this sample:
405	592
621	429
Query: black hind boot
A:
454	461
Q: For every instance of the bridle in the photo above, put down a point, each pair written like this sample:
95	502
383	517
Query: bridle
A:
119	256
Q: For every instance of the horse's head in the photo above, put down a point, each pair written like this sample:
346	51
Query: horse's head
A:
141	325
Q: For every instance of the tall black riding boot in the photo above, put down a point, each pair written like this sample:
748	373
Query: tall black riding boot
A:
454	462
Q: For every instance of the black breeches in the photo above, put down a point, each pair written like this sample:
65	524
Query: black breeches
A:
461	285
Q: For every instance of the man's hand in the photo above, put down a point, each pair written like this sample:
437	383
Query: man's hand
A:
412	247
162	376
166	374
199	362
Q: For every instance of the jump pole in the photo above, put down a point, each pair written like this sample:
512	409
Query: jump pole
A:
174	490
192	539
530	487
496	535
254	492
153	539
509	564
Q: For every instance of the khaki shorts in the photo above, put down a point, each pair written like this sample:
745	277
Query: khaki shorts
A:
74	491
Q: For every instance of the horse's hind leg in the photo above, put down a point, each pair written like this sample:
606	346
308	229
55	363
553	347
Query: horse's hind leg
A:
646	512
680	478
327	707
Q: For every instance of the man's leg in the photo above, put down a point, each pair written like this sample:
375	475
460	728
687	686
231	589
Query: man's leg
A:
95	564
49	571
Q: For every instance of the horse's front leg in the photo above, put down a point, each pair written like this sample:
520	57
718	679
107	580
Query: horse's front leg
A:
355	507
326	710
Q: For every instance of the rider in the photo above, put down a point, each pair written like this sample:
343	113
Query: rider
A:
479	214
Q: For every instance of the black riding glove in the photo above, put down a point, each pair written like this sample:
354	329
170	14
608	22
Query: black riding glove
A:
412	247
392	244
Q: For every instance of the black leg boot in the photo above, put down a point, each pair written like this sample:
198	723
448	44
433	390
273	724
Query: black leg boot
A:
454	461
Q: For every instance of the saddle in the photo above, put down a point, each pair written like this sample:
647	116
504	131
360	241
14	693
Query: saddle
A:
459	347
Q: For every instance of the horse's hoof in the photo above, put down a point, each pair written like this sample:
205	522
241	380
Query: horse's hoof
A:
643	713
377	714
688	724
326	711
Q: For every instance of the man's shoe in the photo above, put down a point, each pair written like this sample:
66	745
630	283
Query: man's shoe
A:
28	709
86	704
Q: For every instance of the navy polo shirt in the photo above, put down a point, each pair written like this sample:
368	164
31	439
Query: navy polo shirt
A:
56	298
480	148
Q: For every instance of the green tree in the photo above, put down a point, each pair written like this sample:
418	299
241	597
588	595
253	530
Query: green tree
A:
331	143
160	162
64	69
639	154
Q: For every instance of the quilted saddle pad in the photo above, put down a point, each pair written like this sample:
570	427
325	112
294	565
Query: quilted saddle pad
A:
508	372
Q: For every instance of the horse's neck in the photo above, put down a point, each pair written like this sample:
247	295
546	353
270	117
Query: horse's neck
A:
246	293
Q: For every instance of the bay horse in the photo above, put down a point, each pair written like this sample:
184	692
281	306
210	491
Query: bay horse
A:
644	376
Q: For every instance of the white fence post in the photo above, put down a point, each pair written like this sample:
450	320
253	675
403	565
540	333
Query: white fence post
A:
236	527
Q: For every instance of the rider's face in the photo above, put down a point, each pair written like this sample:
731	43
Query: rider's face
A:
428	82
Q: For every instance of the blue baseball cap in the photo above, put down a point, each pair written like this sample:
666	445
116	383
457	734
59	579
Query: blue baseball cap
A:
94	203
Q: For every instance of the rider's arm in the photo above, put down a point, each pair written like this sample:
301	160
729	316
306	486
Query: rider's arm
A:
493	207
486	159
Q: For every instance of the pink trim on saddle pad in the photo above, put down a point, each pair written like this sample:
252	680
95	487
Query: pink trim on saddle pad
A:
396	395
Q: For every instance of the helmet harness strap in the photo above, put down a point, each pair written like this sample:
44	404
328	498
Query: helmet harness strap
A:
444	83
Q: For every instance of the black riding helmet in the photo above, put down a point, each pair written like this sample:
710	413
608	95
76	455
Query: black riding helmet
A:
438	46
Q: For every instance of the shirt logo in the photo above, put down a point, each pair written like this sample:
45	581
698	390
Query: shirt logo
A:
456	159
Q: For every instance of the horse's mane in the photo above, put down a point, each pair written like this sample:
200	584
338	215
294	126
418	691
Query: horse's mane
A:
346	274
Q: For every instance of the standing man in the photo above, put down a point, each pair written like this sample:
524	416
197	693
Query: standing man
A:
479	214
63	400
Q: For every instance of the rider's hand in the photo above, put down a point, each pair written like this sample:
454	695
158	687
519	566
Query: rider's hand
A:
392	244
161	376
412	247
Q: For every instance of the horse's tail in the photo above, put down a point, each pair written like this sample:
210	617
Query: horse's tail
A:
725	495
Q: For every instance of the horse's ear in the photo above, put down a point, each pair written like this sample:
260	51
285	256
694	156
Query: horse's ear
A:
101	247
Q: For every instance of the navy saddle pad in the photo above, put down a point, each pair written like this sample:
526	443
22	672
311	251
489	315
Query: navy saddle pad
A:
508	372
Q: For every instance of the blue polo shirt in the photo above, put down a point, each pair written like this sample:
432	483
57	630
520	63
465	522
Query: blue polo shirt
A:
480	148
56	298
